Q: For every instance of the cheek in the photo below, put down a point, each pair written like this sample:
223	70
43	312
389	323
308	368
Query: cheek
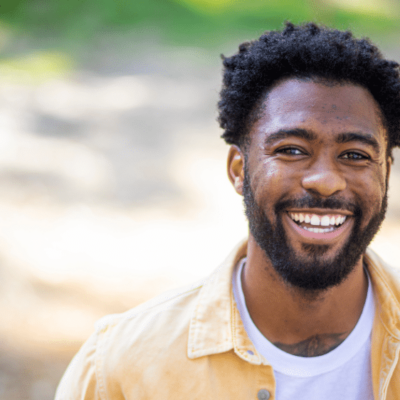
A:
270	181
370	192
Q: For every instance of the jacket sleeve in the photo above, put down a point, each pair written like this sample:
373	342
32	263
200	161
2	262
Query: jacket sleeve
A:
80	380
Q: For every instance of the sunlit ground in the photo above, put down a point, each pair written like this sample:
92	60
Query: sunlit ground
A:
112	189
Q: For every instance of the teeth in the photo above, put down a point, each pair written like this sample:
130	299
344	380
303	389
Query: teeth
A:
340	220
315	220
318	220
325	220
319	230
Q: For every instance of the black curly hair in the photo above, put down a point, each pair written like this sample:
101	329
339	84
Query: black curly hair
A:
304	51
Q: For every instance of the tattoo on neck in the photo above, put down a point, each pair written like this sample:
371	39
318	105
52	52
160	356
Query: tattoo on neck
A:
316	345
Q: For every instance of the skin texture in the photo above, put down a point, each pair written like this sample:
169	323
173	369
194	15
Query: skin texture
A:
284	167
314	346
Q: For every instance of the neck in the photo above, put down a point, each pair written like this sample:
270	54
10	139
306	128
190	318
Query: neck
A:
301	322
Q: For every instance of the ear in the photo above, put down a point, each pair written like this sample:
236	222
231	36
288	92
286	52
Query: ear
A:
388	167
236	168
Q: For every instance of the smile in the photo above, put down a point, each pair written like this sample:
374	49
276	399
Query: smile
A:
309	222
319	226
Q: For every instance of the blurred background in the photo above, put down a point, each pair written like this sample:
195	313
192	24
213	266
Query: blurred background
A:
112	173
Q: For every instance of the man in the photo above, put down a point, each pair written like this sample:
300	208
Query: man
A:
302	310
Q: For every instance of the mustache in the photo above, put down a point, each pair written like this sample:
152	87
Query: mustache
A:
317	202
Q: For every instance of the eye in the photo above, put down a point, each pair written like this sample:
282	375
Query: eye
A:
293	151
353	155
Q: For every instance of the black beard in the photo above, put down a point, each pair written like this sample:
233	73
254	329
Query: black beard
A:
311	274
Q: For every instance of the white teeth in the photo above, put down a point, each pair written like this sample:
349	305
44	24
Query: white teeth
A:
340	220
315	220
325	220
319	230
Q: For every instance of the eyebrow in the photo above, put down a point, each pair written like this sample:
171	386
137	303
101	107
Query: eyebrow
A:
359	137
285	133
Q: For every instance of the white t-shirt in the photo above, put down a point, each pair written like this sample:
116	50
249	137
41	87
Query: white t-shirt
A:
344	372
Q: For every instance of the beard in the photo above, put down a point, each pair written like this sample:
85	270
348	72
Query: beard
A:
311	273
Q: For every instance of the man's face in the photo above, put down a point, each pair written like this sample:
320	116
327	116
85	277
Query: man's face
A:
315	180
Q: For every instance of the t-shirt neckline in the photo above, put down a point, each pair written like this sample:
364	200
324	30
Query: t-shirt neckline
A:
292	365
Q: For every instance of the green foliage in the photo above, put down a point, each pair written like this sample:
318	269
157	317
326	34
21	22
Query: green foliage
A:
35	68
202	22
8	6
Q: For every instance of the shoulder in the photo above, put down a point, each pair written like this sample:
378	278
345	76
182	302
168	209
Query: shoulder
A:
166	316
128	352
382	273
386	284
126	347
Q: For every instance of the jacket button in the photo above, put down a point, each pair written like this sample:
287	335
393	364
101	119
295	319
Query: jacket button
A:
263	394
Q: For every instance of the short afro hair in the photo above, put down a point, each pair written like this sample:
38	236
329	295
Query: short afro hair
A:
305	51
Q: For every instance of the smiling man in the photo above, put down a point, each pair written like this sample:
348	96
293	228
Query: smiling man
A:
303	309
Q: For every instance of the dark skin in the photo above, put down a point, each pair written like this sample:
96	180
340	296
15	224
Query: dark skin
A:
342	153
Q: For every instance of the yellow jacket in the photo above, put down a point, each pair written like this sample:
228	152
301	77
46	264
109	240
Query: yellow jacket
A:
191	344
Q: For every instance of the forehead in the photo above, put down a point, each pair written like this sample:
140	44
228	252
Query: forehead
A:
321	107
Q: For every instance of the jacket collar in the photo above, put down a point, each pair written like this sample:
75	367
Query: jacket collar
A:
386	284
216	326
210	329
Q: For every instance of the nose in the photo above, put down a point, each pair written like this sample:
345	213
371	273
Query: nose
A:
324	179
